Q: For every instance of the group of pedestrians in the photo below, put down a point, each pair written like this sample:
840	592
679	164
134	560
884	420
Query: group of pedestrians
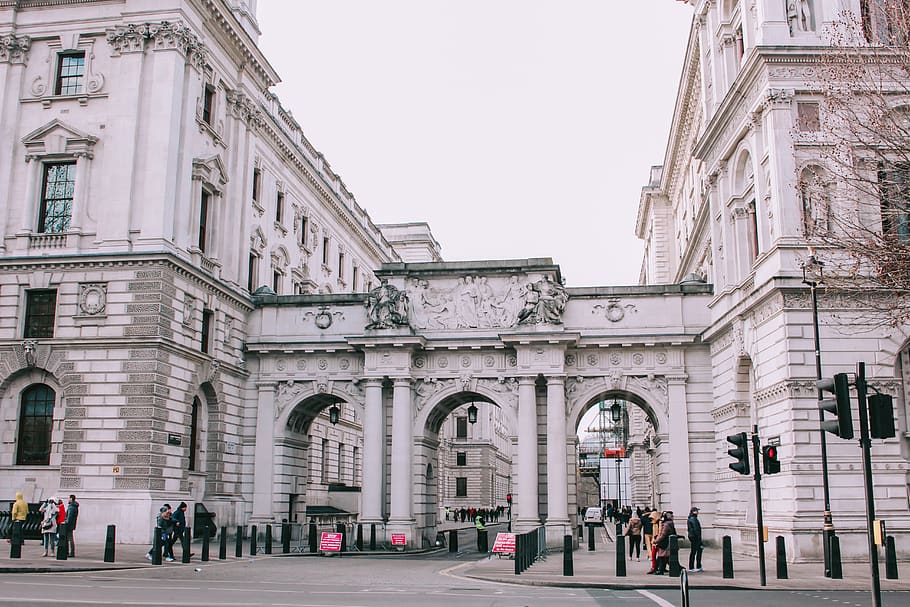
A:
171	525
58	523
488	515
655	529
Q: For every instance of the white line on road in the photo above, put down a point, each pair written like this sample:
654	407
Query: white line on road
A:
655	598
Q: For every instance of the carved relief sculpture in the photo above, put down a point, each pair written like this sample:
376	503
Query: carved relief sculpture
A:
545	302
387	307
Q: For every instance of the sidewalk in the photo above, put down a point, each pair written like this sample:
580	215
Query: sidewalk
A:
598	570
592	569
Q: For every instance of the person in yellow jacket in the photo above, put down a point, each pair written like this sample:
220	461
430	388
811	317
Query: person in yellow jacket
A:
18	515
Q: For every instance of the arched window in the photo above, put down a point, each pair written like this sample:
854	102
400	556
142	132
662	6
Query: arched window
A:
36	416
194	434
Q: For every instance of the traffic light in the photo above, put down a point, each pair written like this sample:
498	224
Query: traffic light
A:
508	498
839	386
881	416
740	453
770	463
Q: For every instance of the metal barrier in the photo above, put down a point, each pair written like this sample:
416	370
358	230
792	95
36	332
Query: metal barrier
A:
529	547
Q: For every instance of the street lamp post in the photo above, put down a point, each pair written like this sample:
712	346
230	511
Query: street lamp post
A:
813	276
616	416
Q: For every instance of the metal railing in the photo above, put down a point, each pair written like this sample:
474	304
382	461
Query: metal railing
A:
529	547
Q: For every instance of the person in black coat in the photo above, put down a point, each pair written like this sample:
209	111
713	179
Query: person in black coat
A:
694	530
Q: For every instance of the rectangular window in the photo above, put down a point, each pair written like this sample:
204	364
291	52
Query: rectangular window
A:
807	117
355	275
57	197
40	310
304	228
461	486
252	273
203	218
340	265
894	184
36	424
340	462
325	460
208	103
325	250
461	458
276	282
206	345
70	71
257	183
461	427
279	207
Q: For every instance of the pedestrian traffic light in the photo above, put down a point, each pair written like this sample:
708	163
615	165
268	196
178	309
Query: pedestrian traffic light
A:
839	386
508	498
770	463
881	416
740	453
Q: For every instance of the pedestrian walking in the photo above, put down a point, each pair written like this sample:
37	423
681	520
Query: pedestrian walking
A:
180	528
18	515
693	528
633	532
72	515
49	525
647	530
662	542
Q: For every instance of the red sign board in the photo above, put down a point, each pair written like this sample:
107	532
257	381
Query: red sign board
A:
615	453
504	544
330	542
399	539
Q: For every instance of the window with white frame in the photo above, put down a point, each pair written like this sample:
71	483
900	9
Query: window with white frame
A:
57	193
70	73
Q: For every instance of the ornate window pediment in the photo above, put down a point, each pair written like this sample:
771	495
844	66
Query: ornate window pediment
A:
57	139
211	171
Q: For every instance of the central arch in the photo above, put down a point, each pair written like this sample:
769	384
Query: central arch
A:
487	445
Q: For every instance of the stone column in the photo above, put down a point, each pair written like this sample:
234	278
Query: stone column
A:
527	516
264	454
401	513
557	473
373	439
680	487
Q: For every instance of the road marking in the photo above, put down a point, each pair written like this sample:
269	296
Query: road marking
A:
655	598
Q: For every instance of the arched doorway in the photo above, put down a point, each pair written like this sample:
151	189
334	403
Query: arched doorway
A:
468	439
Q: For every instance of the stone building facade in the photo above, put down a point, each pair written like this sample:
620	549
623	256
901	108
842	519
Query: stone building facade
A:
189	291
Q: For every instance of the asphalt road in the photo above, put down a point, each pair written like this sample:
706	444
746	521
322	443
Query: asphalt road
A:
364	582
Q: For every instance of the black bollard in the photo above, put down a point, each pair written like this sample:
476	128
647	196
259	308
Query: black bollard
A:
482	541
15	543
238	542
781	558
205	544
728	558
567	567
359	541
311	536
109	542
268	539
285	538
890	559
581	533
222	545
519	547
453	540
837	571
63	542
185	546
674	556
340	528
254	535
684	588
372	536
156	547
620	556
590	538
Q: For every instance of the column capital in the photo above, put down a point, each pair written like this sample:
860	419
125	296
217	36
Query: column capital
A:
677	379
524	380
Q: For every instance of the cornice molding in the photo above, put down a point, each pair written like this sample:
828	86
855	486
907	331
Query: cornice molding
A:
162	35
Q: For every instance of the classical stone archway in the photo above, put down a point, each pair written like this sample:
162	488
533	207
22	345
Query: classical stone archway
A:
433	337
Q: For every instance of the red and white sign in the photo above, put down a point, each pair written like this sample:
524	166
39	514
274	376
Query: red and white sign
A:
330	542
504	544
399	539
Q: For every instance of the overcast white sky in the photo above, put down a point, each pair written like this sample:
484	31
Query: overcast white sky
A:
515	128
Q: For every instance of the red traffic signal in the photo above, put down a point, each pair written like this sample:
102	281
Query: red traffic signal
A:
508	498
770	463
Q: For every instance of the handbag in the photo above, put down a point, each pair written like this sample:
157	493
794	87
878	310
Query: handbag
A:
46	525
664	543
